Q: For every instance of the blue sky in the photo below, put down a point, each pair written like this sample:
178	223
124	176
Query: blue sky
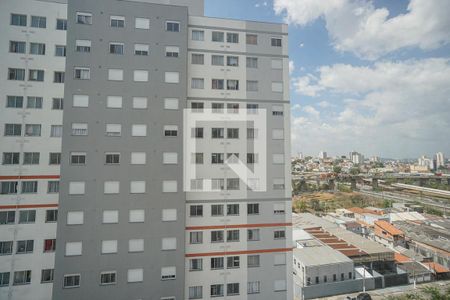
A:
369	75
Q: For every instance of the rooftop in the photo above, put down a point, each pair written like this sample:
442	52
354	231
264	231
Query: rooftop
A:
320	255
389	228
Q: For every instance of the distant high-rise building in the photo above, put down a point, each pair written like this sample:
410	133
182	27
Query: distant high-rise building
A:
440	160
375	159
356	157
424	161
323	155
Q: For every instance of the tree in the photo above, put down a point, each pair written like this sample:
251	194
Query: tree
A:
387	203
301	206
355	171
337	169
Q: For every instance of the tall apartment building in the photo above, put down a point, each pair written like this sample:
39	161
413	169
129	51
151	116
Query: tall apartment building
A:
32	64
131	224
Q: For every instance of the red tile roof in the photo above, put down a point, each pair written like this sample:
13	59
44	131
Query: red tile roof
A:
437	267
389	228
400	258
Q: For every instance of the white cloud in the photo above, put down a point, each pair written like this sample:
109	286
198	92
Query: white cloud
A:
369	32
296	107
291	67
324	104
391	109
302	85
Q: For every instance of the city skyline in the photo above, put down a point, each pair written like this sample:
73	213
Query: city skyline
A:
380	87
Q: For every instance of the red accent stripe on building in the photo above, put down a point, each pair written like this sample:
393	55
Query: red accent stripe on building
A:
25	177
238	226
28	206
239	252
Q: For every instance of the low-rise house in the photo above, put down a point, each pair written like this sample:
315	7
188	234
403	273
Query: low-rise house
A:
388	234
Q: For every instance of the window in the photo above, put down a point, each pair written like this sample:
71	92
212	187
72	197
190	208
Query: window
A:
13	129
232	84
171	77
114	102
233	235
252	109
27	216
196	210
233	108
197	132
14	101
8	188
17	47
80	101
49	245
197	158
31	158
198	59
172	26
197	83
58	77
38	22
141	49
77	187
277	110
169	186
217	263
169	215
217	60
29	187
217	290
277	87
11	158
84	18
233	61
82	73
115	74
170	158
217	84
217	108
232	133
112	158
16	74
216	210
252	62
61	24
195	292
232	289
252	234
142	23
172	51
217	36
251	39
79	129
279	234
34	102
32	130
217	133
116	48
233	262
196	184
78	158
75	218
232	209
22	277
253	208
253	287
117	21
51	215
135	275
252	86
37	48
36	75
171	103
18	20
198	35
217	158
60	50
232	37
232	183
24	247
217	184
108	278
275	42
53	187
140	75
169	243
7	217
168	273
196	237
109	246
253	261
71	281
278	184
137	187
252	158
279	208
139	130
6	247
217	236
138	158
140	102
111	187
83	46
197	106
47	275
